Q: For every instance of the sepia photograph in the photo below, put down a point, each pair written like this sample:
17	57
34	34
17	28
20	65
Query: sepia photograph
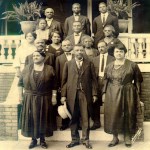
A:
74	74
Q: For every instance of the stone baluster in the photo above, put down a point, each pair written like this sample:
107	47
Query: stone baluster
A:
132	53
2	51
147	48
9	57
140	52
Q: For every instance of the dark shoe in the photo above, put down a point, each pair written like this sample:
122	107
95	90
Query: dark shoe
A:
113	143
79	128
33	144
87	145
72	144
94	127
128	145
63	128
43	144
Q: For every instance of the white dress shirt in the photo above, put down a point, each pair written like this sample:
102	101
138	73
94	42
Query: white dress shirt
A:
76	17
49	21
104	15
68	56
101	74
77	37
79	63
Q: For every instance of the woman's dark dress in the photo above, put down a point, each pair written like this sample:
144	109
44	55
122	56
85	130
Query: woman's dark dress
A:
121	97
37	106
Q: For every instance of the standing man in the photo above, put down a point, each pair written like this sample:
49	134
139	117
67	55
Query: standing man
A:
79	90
76	37
100	63
53	25
76	8
60	62
101	21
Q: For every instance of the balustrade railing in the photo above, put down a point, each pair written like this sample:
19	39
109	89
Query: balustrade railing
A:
138	46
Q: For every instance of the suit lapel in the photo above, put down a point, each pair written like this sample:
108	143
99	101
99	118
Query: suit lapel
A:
74	65
84	65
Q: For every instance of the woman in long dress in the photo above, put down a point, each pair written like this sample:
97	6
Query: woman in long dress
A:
38	99
122	81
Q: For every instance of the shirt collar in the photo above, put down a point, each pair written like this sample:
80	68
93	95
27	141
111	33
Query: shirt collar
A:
79	34
76	14
47	19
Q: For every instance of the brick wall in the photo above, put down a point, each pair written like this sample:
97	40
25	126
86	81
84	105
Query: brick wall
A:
8	122
145	95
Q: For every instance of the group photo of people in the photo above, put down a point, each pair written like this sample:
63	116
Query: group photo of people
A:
71	71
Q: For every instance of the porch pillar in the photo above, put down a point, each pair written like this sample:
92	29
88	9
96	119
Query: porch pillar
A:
89	11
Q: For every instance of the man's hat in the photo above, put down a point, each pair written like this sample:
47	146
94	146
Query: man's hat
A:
63	111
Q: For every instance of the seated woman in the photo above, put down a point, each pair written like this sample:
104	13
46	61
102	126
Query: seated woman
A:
42	31
26	48
110	39
37	80
55	47
90	52
122	79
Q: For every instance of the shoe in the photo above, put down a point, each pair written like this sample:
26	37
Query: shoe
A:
33	144
79	128
94	127
43	144
113	143
87	145
72	144
128	145
63	128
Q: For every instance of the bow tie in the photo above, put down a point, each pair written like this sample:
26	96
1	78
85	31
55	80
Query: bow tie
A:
48	19
68	53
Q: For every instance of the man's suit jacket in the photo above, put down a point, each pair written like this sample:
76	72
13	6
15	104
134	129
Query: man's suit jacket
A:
69	22
98	27
49	59
96	61
72	40
60	62
70	79
55	26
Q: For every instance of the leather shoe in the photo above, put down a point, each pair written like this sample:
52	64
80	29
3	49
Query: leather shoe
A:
128	145
94	127
113	143
43	144
72	144
33	144
63	128
87	145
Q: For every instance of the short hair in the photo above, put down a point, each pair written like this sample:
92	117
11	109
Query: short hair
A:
120	47
41	20
39	39
66	41
102	41
52	33
32	33
111	27
87	37
49	8
78	45
76	4
103	3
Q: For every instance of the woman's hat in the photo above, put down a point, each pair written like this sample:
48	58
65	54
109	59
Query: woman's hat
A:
63	111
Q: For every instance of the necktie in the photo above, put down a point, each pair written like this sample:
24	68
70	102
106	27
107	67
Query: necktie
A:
102	65
103	19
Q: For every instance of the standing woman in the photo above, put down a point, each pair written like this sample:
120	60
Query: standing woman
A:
122	81
38	82
55	47
24	50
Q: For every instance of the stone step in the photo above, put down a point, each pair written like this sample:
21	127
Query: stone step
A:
96	135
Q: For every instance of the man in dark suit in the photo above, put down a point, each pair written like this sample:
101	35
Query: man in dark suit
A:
76	8
79	90
100	63
40	45
76	37
60	62
101	21
53	25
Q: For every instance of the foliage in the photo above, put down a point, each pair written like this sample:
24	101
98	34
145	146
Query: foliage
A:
121	8
24	12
